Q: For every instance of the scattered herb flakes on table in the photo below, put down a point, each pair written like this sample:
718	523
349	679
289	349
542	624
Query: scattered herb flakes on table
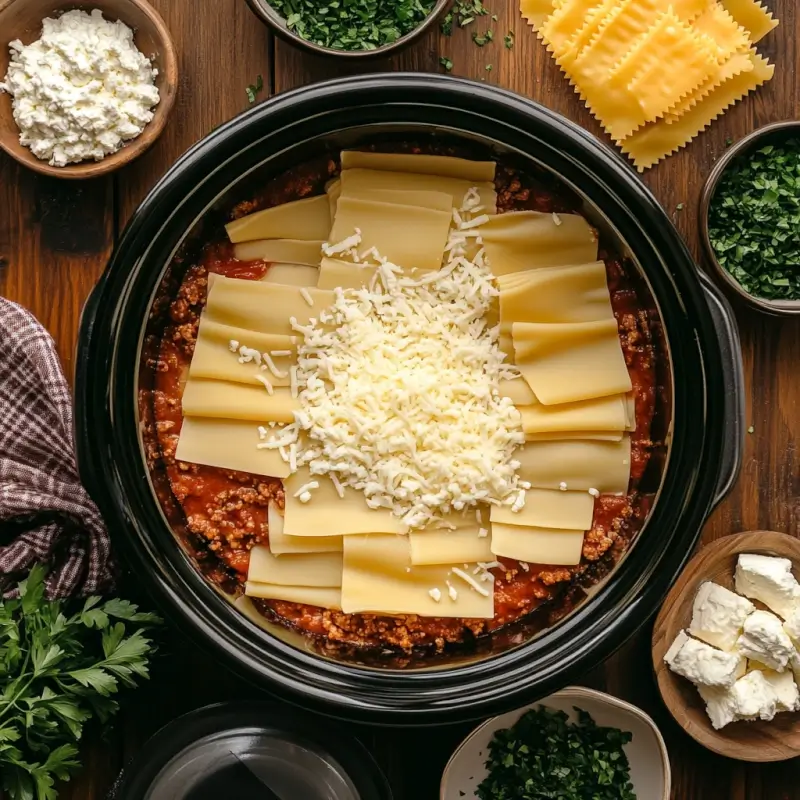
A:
545	756
353	24
754	221
59	668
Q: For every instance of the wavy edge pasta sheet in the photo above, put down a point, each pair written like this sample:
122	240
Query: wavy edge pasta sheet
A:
752	16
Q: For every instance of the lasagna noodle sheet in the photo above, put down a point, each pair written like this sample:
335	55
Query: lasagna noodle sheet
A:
653	142
535	12
537	545
355	180
335	273
328	514
555	294
213	357
450	547
518	391
334	191
523	240
752	16
228	400
388	227
599	414
280	543
301	569
723	33
442	166
379	578
321	596
550	356
438	201
580	465
561	28
261	306
292	275
308	219
227	444
549	508
599	436
288	251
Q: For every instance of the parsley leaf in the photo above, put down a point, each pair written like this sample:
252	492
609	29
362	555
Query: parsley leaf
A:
60	664
754	221
254	89
545	756
446	63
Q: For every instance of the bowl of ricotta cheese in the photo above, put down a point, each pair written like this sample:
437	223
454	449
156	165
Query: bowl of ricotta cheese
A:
83	90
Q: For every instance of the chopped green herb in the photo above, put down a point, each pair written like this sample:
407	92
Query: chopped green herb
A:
754	221
447	24
728	142
481	40
508	40
679	207
488	67
353	24
59	667
467	11
446	63
253	89
545	756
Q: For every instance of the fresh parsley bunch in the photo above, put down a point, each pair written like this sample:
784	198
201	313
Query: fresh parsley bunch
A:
546	757
57	672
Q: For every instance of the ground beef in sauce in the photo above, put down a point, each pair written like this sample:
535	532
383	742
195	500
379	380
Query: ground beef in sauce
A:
228	510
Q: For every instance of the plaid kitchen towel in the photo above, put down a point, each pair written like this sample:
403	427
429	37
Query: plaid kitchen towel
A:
45	513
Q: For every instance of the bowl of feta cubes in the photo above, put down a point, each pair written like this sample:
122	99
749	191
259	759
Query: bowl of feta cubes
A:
726	647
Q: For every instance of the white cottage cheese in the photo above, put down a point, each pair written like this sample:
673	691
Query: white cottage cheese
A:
81	90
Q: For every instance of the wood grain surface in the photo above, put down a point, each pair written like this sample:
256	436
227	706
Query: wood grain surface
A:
55	238
759	741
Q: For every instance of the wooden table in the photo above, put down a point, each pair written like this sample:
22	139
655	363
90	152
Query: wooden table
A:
56	236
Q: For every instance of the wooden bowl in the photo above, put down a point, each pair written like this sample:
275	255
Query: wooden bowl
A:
647	753
22	19
268	15
761	741
775	133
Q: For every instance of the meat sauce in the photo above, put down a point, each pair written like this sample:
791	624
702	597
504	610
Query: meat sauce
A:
228	510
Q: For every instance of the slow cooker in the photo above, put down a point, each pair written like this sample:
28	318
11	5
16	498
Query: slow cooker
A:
700	416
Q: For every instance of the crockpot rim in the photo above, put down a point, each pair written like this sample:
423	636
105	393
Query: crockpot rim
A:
604	161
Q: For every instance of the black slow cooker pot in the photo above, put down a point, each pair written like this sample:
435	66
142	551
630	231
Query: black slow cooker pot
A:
700	414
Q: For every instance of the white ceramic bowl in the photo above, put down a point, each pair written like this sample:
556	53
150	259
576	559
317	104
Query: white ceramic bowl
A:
647	753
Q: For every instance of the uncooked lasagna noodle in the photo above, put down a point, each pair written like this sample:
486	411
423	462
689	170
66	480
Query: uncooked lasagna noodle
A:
281	544
228	444
321	596
327	513
216	357
333	190
724	34
599	436
752	16
335	273
228	400
537	545
562	28
450	547
308	219
598	414
355	180
549	508
264	307
285	251
378	577
301	569
550	356
555	294
650	144
439	201
523	240
576	465
536	11
292	275
442	166
518	391
388	228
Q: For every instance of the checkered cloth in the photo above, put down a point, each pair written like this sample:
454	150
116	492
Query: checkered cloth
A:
45	513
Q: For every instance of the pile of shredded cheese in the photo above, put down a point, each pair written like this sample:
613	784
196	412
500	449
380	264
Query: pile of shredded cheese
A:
398	384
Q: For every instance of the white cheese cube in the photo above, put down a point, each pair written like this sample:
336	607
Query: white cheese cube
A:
785	688
769	580
764	640
718	615
754	696
792	625
720	706
702	664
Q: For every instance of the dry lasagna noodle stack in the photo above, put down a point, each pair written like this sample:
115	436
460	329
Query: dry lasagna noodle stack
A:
655	73
556	325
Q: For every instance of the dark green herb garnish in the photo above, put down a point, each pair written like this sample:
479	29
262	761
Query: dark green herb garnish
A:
508	40
253	89
447	24
446	63
353	24
544	757
59	668
754	221
483	39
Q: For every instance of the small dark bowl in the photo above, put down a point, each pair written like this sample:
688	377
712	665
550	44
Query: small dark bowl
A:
776	132
268	15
